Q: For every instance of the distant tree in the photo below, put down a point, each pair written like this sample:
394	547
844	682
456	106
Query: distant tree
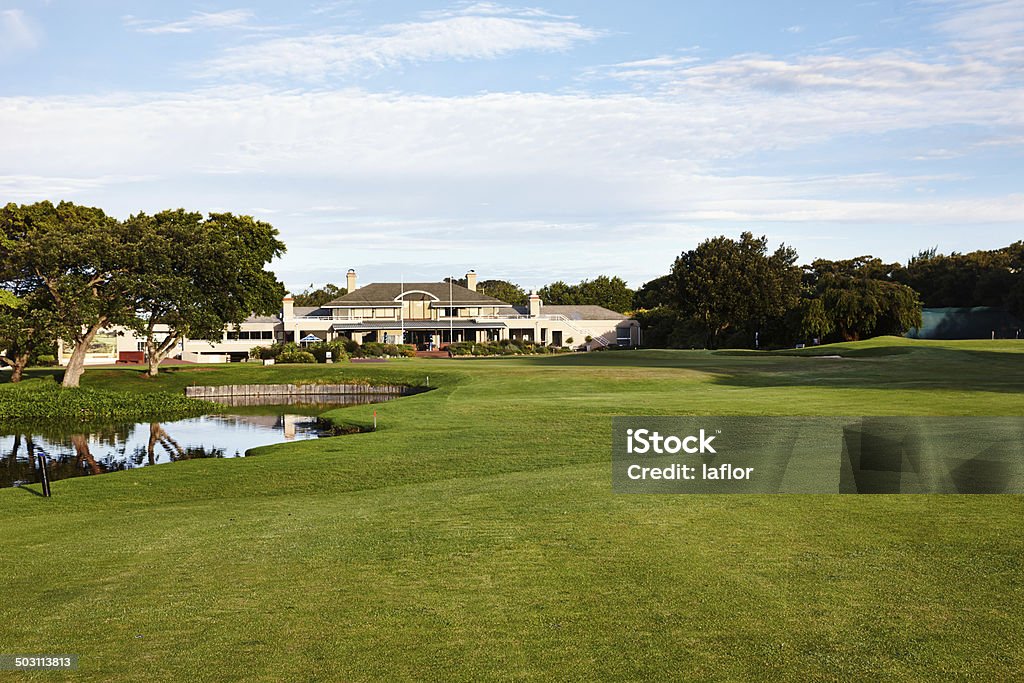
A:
320	296
660	291
726	283
980	278
509	292
559	293
1015	294
858	299
609	292
218	281
80	260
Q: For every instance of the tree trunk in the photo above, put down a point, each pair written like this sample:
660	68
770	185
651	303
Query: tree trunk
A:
153	357
157	353
76	364
18	367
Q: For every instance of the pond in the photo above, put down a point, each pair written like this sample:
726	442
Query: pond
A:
76	450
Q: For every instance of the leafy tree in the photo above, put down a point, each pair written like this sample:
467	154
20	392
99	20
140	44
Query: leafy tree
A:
859	299
980	278
219	281
725	283
558	293
609	292
26	332
503	290
660	291
320	296
80	260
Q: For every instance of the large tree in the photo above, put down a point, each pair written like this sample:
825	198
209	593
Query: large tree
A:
857	298
218	281
726	283
979	278
81	259
656	293
319	296
503	290
610	292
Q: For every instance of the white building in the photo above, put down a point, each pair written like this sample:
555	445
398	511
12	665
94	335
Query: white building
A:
429	315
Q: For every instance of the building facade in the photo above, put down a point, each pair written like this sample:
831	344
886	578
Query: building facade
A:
429	315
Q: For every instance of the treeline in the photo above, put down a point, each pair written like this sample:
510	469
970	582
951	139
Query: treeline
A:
734	293
67	272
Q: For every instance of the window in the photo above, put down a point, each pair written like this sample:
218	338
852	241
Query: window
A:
247	335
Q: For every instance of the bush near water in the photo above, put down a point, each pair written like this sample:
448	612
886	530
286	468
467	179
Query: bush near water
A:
44	399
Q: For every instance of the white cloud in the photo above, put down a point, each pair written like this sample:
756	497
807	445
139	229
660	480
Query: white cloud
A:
993	29
16	33
198	21
545	179
477	32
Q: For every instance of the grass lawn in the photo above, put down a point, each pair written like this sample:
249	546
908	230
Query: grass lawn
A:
474	536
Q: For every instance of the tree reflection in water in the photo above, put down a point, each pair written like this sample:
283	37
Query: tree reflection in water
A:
78	450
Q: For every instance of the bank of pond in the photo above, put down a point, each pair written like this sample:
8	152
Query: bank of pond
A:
75	448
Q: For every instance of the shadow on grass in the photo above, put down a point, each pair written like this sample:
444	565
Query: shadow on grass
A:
897	367
26	489
35	373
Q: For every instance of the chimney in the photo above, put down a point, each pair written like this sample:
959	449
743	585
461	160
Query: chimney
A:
350	279
287	308
535	304
471	280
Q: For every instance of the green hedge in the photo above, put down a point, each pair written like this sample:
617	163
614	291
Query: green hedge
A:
504	347
378	350
44	399
290	352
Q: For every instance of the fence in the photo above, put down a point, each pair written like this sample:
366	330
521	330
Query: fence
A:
296	390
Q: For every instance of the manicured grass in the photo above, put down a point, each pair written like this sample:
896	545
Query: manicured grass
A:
475	536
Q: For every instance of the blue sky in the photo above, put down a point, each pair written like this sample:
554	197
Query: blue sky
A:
535	141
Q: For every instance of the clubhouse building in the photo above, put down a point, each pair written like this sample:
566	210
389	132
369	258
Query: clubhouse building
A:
429	315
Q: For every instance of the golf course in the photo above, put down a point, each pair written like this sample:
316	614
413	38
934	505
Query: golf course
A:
475	536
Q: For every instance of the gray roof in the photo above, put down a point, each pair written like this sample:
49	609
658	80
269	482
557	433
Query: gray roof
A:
385	293
262	319
316	311
583	312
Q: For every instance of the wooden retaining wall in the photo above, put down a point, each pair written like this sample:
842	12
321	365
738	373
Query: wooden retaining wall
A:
297	390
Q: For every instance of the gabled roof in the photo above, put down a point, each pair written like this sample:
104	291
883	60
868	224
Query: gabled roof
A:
315	311
583	312
382	294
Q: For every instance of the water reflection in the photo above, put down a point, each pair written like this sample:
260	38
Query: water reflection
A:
80	450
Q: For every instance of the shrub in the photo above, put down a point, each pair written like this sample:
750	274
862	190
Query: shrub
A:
371	350
295	357
46	360
44	399
336	348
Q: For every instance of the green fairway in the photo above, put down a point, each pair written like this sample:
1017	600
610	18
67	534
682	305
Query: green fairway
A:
475	536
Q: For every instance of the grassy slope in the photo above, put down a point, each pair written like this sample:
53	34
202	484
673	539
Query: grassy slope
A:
475	536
